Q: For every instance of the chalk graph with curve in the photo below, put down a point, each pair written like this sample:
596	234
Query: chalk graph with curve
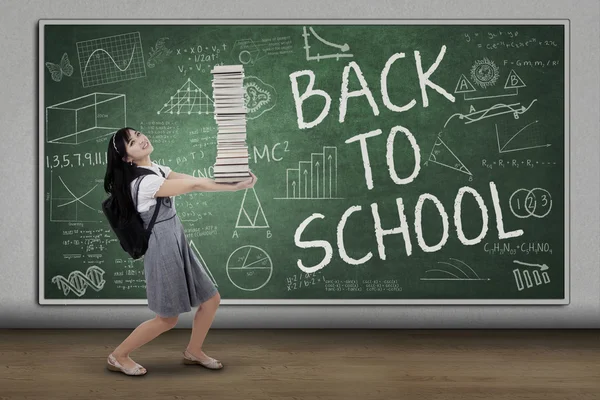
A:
111	59
70	203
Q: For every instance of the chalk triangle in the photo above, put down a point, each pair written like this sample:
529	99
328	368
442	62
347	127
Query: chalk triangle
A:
202	262
188	99
513	81
442	155
251	213
463	85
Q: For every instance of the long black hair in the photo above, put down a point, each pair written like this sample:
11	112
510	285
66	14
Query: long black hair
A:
119	172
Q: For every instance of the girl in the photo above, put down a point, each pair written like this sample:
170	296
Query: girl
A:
175	280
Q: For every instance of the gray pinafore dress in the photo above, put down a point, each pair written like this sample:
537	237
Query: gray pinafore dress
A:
176	281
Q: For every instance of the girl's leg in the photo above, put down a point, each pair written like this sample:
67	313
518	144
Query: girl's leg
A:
143	334
202	321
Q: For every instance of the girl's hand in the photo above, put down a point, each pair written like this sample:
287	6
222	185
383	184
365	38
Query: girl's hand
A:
246	184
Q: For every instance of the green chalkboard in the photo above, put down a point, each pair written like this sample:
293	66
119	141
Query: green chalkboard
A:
411	162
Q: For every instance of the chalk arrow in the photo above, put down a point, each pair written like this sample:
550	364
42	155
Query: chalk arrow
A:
543	267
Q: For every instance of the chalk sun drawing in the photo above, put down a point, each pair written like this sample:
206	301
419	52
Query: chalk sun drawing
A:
484	72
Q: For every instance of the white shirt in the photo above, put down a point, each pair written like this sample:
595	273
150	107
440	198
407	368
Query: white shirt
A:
149	186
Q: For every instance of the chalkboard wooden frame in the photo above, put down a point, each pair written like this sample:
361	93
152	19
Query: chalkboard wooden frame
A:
42	273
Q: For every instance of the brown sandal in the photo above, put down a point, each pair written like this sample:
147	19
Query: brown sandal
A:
114	365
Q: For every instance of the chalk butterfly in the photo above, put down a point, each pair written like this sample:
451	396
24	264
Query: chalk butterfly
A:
57	70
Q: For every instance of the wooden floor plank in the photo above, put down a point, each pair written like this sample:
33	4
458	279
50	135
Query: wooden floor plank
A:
309	364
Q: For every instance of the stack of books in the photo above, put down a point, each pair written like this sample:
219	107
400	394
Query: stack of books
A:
230	114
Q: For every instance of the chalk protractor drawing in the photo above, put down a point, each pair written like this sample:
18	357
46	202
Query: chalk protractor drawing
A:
331	49
111	59
249	268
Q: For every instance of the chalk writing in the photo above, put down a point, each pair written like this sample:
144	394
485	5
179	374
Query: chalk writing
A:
512	249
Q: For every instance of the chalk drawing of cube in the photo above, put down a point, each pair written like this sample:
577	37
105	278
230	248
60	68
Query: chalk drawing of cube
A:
85	118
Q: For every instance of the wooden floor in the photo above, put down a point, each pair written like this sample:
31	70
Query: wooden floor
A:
308	364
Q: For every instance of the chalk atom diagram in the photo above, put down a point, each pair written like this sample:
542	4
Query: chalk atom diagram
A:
337	51
111	59
189	99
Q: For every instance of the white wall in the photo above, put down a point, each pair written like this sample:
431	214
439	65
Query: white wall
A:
19	158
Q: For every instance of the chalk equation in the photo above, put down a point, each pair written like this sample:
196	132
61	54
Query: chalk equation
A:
525	248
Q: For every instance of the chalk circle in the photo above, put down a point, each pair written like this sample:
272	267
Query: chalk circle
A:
238	268
245	57
484	72
530	203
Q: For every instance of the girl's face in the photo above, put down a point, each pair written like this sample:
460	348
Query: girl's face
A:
138	146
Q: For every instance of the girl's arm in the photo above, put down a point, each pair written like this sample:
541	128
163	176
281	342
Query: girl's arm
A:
179	175
175	187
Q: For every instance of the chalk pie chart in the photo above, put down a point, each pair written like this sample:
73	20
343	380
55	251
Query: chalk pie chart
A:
249	268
